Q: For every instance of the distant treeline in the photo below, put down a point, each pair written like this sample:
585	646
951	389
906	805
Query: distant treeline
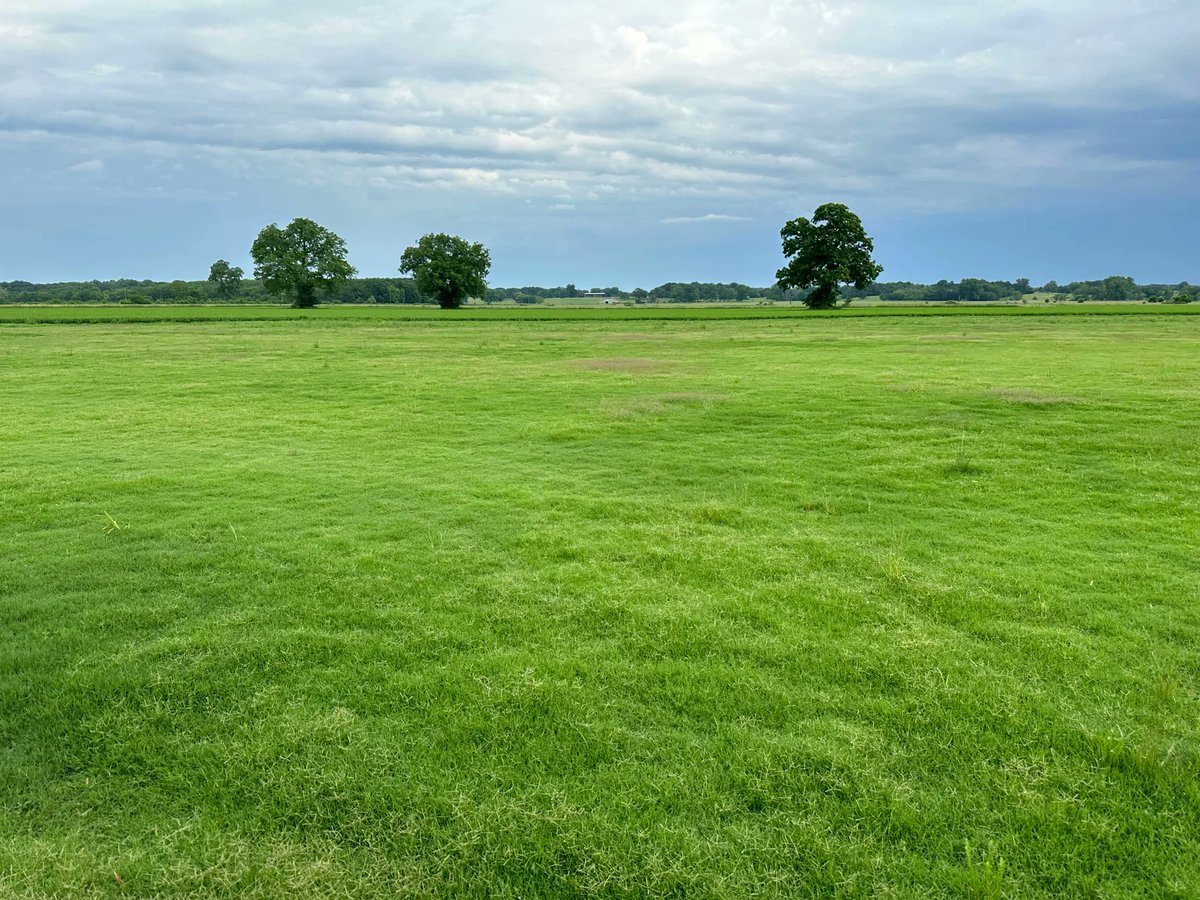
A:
403	290
1115	287
695	292
124	290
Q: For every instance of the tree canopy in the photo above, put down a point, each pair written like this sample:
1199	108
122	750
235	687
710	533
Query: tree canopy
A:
830	250
448	268
299	260
226	279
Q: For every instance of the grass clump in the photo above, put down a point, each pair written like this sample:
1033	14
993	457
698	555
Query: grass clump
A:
985	874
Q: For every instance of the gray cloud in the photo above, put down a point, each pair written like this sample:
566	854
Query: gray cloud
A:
748	94
743	106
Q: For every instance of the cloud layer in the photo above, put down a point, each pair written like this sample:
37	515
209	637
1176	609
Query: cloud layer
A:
594	113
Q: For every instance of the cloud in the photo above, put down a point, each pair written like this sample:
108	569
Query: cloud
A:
710	217
88	165
757	107
753	98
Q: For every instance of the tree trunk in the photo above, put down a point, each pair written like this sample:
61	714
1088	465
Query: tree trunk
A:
306	296
823	296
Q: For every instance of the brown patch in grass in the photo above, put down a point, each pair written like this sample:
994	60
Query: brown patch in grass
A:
638	409
950	337
632	336
1032	398
650	406
690	397
623	364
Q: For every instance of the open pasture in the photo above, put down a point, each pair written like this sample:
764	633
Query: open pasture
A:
95	313
880	606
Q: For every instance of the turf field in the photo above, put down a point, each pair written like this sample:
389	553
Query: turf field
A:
404	603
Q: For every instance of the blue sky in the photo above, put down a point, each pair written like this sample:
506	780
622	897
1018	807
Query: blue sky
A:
603	143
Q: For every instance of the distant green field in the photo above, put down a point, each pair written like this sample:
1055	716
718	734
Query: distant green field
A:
696	603
683	311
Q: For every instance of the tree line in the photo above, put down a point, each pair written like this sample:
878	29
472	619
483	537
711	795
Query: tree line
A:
404	290
1115	287
249	291
828	262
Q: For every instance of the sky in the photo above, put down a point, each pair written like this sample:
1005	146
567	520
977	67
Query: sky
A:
611	143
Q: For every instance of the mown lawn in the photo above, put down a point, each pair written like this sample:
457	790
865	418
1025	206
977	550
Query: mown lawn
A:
336	607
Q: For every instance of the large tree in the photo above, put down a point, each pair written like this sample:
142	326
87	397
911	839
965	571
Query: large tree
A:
447	268
299	260
830	250
226	279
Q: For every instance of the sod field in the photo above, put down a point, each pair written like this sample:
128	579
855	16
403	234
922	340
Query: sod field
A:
420	604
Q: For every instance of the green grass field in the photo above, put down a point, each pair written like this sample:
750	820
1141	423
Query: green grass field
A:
393	603
548	313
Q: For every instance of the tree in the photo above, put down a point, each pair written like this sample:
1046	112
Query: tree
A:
226	279
978	289
448	269
299	260
830	250
1120	287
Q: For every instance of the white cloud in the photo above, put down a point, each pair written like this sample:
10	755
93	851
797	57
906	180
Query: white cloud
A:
745	101
710	217
88	165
